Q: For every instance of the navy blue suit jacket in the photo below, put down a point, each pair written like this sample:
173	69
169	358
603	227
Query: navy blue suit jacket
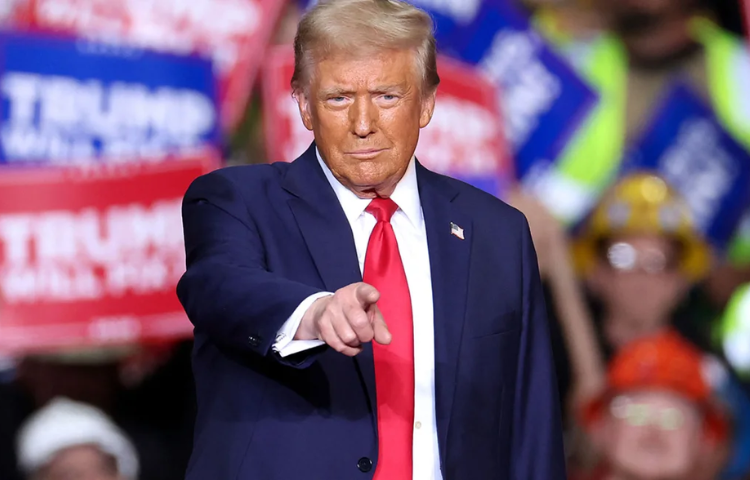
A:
260	239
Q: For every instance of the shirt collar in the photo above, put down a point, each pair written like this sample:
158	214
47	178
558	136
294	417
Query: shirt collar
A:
406	195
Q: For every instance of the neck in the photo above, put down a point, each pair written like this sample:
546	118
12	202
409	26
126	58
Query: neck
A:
620	329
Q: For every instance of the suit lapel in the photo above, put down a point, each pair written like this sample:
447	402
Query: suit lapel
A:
329	239
449	266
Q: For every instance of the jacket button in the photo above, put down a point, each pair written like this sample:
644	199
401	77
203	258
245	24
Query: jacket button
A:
253	340
364	464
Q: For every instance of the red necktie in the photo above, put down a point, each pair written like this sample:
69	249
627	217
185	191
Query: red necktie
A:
394	363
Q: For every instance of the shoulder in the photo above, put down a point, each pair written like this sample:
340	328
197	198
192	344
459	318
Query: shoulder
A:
244	179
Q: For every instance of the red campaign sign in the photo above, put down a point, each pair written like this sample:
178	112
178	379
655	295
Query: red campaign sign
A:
91	256
235	33
464	138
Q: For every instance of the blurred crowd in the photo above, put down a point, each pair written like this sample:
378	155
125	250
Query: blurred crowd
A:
651	326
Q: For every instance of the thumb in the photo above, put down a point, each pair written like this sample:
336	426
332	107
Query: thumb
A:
366	295
380	331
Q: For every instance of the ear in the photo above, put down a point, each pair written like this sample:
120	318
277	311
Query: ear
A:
428	108
303	104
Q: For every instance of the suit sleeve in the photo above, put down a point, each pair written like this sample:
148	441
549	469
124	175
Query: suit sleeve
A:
537	428
227	291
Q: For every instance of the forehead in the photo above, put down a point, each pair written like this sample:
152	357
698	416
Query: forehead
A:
366	70
81	457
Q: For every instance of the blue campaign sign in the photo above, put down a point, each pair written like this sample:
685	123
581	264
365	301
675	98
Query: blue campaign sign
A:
543	100
66	100
688	146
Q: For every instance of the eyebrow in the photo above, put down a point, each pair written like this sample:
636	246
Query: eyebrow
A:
335	91
388	88
339	91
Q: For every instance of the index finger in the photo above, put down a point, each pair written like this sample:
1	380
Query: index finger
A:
366	295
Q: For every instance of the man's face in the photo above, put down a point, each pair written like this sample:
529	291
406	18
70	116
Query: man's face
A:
636	16
639	279
653	434
366	113
84	462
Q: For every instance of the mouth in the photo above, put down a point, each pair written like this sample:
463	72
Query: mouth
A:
366	153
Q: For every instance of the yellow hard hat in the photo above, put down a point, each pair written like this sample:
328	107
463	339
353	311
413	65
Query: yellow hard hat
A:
643	203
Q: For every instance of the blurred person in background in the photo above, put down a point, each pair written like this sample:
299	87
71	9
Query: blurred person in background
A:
147	391
69	440
657	419
645	46
640	254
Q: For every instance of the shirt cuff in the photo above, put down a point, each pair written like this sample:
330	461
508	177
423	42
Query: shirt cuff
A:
285	344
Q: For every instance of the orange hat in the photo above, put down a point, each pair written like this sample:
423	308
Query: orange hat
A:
663	362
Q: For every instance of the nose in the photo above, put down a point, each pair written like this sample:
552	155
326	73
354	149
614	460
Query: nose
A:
363	115
651	437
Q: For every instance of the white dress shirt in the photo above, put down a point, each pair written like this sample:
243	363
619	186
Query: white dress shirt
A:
408	224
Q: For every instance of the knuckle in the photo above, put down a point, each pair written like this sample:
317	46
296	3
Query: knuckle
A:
358	321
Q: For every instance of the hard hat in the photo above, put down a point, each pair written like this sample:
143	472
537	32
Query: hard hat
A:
664	362
643	203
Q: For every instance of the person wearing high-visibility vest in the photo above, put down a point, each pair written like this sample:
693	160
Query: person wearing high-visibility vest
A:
631	67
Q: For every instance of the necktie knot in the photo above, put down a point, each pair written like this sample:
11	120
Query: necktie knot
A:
382	209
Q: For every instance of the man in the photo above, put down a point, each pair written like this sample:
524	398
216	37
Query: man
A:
357	315
639	253
657	417
72	440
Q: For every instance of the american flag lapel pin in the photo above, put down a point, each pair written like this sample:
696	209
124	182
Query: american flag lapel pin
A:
457	231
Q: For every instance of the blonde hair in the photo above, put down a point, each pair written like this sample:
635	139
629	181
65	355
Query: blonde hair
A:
350	26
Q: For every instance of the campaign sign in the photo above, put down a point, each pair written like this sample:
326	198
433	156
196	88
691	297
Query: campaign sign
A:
67	100
687	145
92	255
234	33
464	139
543	100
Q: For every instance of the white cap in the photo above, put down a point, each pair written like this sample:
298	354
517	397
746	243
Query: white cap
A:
64	423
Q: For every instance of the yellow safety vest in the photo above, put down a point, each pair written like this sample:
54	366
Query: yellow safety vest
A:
591	160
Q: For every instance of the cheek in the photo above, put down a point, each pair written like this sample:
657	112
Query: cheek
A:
330	125
401	123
